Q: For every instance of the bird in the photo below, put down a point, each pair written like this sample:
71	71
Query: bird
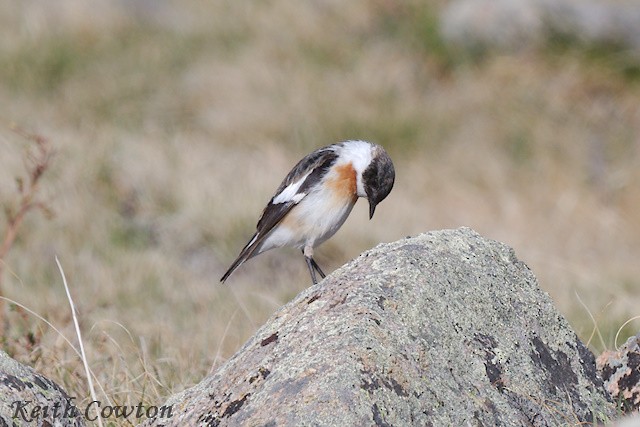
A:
317	196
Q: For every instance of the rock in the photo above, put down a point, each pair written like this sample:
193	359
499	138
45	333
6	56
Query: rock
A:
496	24
23	391
620	371
516	24
446	328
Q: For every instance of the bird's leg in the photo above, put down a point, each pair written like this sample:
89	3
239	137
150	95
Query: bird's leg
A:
317	267
312	264
312	272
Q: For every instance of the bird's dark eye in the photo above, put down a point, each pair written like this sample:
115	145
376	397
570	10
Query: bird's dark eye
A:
370	175
379	178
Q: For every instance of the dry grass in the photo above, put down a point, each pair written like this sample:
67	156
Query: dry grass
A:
173	123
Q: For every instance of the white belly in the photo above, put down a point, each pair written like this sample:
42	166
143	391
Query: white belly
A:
312	221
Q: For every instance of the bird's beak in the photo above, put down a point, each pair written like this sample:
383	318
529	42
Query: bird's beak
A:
372	209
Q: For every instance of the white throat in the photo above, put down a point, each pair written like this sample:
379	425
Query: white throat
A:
360	154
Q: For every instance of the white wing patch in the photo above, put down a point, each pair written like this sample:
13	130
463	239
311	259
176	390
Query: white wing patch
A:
255	237
290	193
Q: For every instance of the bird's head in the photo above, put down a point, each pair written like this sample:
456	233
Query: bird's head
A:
378	178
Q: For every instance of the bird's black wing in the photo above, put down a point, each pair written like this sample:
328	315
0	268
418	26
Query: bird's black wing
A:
295	186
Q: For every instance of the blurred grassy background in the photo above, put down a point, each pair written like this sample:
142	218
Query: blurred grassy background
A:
173	123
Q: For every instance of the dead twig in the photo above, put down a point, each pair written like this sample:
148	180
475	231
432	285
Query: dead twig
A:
37	161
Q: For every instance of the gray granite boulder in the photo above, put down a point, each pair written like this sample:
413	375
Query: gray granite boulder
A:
620	370
446	328
517	24
30	399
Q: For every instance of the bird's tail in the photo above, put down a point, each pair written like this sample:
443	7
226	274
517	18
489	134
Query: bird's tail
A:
247	252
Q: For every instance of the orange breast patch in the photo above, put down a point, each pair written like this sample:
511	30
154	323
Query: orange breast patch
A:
344	182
